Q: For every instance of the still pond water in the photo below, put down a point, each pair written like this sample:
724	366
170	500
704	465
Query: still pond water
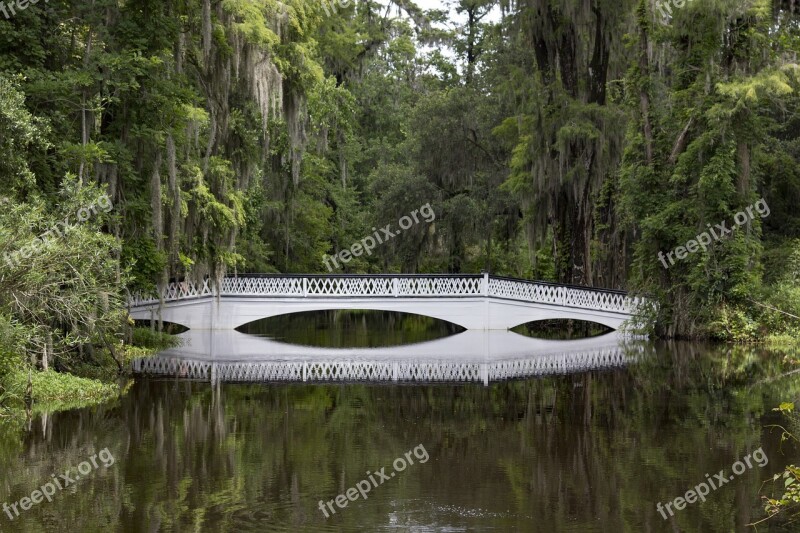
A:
589	450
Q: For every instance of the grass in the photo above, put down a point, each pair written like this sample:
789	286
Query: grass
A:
51	386
54	391
85	384
784	340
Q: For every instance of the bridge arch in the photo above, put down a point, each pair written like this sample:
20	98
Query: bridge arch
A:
244	312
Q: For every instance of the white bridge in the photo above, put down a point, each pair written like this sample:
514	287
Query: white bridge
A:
474	302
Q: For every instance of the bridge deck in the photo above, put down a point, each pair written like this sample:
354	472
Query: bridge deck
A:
480	302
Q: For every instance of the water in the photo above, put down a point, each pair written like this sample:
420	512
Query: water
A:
590	448
351	329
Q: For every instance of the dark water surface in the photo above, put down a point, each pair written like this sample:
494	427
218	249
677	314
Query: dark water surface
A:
351	328
590	451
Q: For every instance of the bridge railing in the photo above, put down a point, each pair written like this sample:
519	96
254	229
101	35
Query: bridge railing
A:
390	285
356	286
180	290
570	296
424	371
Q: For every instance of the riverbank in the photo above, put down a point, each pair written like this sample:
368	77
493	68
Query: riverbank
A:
32	391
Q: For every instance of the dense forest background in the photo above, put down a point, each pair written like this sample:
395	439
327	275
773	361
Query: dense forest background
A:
568	140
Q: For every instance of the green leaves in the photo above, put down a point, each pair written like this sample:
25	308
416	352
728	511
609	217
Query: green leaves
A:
59	279
20	134
250	19
790	489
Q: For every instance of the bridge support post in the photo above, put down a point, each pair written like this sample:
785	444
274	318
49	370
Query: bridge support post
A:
487	325
214	303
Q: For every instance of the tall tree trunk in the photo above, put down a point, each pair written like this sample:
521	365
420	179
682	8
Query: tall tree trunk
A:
743	154
158	228
644	82
175	194
85	94
155	203
471	30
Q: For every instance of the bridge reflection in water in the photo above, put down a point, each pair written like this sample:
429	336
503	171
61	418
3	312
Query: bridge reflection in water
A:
471	356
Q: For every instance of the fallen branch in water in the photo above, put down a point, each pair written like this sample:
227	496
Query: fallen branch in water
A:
774	309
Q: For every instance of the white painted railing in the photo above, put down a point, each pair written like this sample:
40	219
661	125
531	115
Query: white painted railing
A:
181	290
422	371
528	291
402	286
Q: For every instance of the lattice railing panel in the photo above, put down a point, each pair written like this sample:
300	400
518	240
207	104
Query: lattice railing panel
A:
567	296
587	299
439	372
529	292
174	291
449	286
180	368
260	372
269	286
327	371
142	299
362	286
370	371
558	364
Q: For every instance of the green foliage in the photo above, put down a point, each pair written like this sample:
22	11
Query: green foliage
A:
790	479
59	276
20	134
251	20
144	263
55	391
60	291
143	337
723	130
786	484
12	345
733	325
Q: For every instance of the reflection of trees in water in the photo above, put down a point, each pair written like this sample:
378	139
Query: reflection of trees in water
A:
561	329
597	449
351	328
